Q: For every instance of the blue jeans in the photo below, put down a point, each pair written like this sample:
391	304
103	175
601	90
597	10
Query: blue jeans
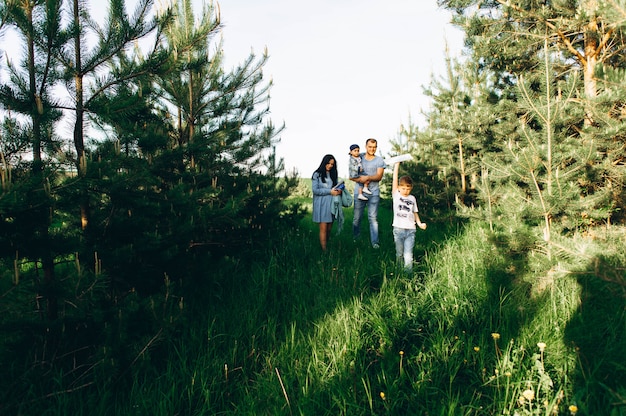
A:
372	215
405	241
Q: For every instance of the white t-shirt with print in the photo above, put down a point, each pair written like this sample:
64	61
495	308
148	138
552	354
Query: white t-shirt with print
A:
404	208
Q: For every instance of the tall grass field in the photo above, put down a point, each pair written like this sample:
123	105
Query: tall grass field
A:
476	329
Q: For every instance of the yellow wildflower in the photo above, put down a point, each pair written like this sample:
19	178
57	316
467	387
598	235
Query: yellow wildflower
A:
495	336
573	409
476	349
382	395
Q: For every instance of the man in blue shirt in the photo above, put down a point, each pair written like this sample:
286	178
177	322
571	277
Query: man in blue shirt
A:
373	169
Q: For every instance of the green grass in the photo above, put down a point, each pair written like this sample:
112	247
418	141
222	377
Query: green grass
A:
475	330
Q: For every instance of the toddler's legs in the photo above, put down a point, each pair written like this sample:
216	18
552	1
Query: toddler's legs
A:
361	196
366	189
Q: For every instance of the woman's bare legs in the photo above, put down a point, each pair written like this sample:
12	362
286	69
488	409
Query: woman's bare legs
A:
325	228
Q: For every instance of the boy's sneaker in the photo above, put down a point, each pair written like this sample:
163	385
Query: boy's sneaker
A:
362	197
366	190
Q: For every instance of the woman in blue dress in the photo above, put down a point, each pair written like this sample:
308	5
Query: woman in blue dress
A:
323	181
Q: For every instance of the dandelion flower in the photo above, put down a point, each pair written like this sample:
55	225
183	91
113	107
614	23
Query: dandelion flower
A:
401	352
573	409
495	336
528	394
382	395
542	346
476	349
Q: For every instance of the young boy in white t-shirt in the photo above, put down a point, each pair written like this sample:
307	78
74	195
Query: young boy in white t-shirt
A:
405	217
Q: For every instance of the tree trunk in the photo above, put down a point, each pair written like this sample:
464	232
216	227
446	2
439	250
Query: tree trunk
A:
41	214
592	42
79	142
462	166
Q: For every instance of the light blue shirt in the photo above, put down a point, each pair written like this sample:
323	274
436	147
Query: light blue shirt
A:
370	167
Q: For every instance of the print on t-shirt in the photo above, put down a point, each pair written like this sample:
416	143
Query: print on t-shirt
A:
405	207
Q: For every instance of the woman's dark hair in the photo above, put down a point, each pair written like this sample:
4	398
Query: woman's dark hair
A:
321	170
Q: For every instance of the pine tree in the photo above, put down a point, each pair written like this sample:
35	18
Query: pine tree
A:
508	35
81	64
543	171
507	38
28	197
190	171
167	195
458	117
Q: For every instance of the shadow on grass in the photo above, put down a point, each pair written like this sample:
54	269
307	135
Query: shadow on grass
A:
598	333
486	320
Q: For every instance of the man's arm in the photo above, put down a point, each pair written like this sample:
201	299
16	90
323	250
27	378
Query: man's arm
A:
378	176
371	178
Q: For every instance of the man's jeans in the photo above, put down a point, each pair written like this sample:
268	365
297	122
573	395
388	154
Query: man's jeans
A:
372	215
405	241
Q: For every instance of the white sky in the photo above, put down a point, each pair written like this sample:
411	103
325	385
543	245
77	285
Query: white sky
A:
343	70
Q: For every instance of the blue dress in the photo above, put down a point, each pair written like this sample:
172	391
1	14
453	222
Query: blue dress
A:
322	199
